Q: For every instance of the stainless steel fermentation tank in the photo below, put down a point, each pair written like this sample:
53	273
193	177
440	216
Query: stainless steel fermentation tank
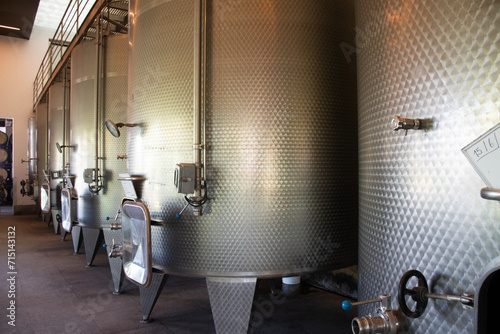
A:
41	147
281	143
58	127
96	202
28	184
419	197
32	149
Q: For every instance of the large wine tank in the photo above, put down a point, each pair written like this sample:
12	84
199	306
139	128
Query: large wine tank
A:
419	197
32	149
281	135
57	132
41	141
94	208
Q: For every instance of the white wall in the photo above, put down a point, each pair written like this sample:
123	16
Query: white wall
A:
19	63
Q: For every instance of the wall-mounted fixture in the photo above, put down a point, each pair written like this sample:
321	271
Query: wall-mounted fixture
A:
113	128
94	180
184	178
60	147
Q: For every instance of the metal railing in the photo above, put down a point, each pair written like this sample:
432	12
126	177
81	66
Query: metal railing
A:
68	29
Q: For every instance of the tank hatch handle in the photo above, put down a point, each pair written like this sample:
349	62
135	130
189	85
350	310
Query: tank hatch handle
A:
420	294
490	194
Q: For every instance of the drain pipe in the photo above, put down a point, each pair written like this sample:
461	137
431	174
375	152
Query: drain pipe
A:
94	189
189	178
204	18
198	98
45	170
64	121
66	111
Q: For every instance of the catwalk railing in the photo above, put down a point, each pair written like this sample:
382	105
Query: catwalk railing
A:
78	16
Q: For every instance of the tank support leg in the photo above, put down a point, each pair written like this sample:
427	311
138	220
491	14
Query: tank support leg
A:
56	219
115	263
231	301
150	295
77	236
47	217
63	234
92	240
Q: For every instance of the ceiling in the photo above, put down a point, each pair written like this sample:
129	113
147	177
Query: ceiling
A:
19	15
24	14
50	13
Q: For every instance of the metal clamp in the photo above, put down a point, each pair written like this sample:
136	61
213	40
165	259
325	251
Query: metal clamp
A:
490	194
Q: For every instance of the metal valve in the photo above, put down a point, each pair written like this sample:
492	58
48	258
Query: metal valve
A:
116	250
117	224
23	184
420	294
399	123
384	321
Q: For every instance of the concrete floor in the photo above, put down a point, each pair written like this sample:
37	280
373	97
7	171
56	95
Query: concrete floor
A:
56	293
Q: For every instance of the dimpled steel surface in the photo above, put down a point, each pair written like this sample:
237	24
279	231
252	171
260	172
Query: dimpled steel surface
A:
419	197
93	210
281	135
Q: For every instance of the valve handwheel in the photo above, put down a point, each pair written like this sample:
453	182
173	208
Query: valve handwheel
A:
418	294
